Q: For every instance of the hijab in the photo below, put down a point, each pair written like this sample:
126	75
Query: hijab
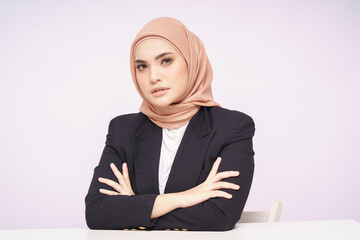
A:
198	91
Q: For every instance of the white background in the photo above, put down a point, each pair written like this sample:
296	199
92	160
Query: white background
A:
291	65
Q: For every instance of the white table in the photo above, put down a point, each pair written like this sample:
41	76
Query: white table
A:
327	230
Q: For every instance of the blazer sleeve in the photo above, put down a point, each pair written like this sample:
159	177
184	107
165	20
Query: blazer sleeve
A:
119	211
220	214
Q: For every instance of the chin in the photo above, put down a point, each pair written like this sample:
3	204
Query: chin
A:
161	103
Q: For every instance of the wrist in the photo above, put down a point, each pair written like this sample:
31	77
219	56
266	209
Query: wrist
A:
177	198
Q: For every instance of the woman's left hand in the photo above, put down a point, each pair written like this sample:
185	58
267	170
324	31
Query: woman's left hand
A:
122	187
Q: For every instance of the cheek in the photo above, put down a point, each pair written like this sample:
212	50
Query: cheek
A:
180	72
141	83
181	83
183	77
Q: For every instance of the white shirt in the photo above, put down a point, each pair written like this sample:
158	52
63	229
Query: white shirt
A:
171	139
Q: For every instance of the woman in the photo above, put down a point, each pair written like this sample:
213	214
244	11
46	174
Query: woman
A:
182	158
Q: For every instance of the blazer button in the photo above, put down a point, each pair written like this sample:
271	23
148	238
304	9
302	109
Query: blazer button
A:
133	229
176	229
168	229
126	229
142	228
184	229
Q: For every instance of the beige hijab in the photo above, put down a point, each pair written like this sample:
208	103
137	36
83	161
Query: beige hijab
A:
200	73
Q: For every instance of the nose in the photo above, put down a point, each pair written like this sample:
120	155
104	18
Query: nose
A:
154	75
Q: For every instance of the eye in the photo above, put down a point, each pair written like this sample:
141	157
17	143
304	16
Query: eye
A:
166	60
141	67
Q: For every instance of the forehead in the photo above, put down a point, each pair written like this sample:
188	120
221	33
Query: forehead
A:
152	47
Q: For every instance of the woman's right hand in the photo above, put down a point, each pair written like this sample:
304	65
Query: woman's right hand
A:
210	188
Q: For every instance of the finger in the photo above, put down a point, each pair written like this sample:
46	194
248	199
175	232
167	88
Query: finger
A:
127	179
226	185
218	193
112	184
214	168
226	174
108	192
118	175
126	175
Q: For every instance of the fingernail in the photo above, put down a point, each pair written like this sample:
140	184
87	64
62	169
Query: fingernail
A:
237	186
100	178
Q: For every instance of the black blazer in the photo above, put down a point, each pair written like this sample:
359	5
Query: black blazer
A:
135	139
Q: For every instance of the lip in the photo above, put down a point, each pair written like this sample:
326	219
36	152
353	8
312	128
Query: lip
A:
157	89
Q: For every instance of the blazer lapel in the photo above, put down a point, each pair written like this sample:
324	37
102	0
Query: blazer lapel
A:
147	146
188	160
191	153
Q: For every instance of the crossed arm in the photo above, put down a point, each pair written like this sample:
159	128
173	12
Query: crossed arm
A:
168	202
215	204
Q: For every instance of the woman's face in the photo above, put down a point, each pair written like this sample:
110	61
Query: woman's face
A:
161	72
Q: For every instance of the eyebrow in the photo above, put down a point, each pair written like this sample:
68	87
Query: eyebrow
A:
156	58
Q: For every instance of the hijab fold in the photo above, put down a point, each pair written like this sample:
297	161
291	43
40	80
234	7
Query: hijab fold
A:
198	91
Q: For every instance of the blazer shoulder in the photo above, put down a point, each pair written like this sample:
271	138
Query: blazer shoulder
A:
237	124
127	123
230	116
129	117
